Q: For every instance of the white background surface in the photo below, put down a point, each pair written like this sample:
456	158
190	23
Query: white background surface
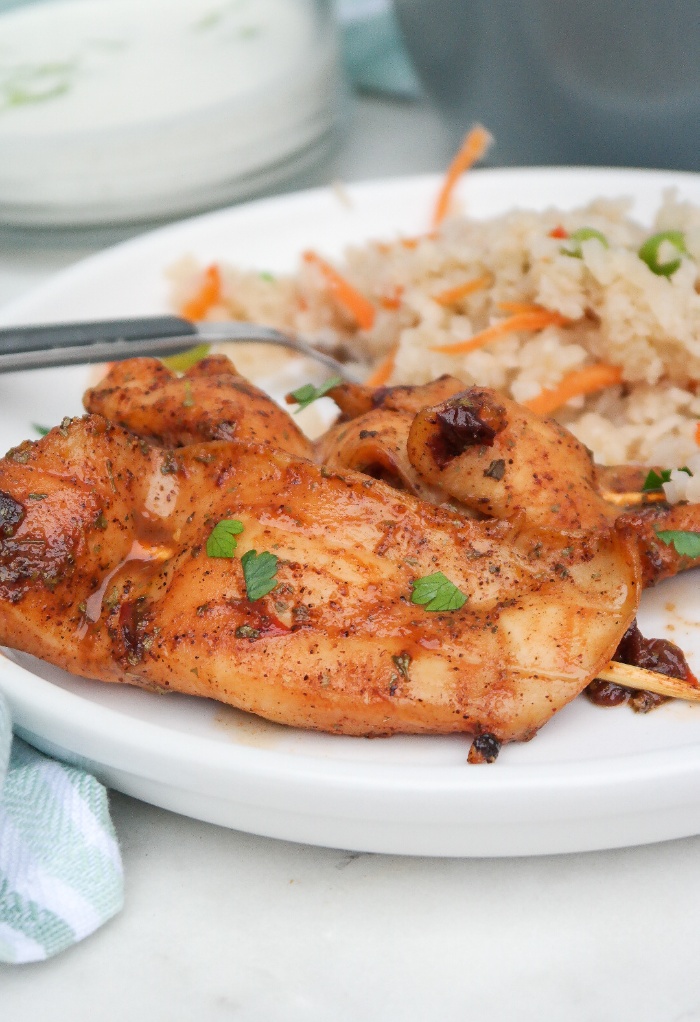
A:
220	925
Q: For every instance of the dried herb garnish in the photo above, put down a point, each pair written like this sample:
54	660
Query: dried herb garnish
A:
496	470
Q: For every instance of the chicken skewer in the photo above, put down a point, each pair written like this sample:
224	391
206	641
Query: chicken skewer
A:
104	571
372	437
630	676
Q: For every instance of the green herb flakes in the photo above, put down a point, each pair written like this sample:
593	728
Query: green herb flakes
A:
259	570
655	480
247	632
687	544
222	539
402	662
436	592
306	395
496	470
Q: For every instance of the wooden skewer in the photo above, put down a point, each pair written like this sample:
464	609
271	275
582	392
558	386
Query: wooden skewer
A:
649	681
632	499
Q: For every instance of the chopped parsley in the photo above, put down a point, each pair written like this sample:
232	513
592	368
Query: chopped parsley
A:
41	430
436	592
655	480
222	539
687	544
259	570
306	395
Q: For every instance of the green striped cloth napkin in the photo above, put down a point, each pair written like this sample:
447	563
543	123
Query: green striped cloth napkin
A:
60	869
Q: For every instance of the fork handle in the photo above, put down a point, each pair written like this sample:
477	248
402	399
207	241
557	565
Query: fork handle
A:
17	339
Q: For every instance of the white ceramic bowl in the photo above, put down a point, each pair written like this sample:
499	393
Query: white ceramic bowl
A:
119	110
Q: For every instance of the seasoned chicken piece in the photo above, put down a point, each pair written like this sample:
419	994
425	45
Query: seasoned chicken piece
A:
502	460
660	560
210	402
372	436
104	570
355	399
375	443
623	485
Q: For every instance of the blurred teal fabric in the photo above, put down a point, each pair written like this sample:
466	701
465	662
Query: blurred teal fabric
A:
61	874
375	57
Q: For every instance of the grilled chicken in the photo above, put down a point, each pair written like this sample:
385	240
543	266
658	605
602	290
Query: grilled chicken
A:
104	570
401	436
210	402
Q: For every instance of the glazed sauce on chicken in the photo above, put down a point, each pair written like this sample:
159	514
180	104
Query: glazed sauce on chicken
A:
465	423
658	655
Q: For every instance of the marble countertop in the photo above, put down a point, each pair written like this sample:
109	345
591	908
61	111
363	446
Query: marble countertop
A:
223	925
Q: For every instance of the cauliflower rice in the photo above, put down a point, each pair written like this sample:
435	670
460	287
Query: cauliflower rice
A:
618	311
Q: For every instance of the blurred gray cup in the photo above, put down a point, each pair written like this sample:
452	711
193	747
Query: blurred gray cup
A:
599	82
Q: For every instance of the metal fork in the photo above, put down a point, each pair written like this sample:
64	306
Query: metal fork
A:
61	344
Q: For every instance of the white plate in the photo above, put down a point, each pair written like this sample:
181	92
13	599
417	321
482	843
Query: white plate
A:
593	778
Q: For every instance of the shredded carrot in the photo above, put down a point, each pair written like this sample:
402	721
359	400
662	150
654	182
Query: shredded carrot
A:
521	321
588	380
454	294
392	300
407	242
383	371
347	296
697	434
209	294
473	149
559	232
414	242
521	307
